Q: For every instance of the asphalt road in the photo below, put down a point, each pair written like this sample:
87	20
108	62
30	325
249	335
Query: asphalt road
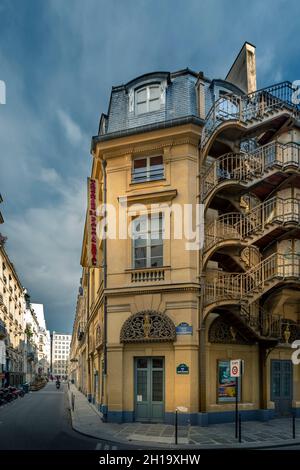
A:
41	421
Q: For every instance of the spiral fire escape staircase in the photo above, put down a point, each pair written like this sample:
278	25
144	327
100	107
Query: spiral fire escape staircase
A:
259	172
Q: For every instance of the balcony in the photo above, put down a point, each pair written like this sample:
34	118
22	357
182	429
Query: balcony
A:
251	110
230	288
259	222
147	275
247	170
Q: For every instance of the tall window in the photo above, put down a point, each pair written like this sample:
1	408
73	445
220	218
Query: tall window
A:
147	99
148	241
147	169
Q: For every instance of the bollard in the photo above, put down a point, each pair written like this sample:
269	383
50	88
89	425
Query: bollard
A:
240	428
176	427
294	427
73	401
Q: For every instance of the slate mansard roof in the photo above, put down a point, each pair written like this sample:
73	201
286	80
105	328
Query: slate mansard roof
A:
178	106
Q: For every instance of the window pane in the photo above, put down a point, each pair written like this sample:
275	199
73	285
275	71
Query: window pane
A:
154	92
142	363
141	108
154	105
140	241
156	251
156	222
140	225
140	163
157	363
140	252
156	160
157	385
142	384
141	95
140	263
156	262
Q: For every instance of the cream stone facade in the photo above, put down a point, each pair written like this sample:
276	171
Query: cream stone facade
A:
156	323
12	331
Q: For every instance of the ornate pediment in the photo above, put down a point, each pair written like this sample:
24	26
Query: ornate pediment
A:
148	326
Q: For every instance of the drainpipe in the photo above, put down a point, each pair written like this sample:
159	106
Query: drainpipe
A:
104	163
89	387
201	326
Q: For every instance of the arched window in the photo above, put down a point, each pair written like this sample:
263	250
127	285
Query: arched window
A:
147	99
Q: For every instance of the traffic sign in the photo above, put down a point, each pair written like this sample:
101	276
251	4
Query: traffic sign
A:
236	368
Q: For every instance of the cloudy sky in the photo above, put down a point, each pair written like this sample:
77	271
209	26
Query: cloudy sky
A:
59	59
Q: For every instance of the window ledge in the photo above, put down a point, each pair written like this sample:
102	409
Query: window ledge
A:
153	196
133	183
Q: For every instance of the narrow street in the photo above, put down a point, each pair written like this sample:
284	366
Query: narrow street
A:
41	421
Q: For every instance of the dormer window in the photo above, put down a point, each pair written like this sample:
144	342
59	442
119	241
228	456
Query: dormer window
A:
147	99
147	169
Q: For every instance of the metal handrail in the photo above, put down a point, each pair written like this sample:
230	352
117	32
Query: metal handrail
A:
235	225
243	167
233	286
250	106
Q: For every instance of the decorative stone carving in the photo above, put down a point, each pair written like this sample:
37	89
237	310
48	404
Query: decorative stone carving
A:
290	331
222	332
148	326
98	335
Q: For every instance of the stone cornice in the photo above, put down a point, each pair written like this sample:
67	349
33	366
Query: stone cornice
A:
160	288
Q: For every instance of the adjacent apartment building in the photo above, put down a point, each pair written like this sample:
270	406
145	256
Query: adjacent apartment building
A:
60	354
12	325
160	315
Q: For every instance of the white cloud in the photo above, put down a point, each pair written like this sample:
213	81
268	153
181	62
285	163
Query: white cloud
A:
45	243
72	129
49	176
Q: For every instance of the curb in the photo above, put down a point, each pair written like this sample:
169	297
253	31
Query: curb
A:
154	445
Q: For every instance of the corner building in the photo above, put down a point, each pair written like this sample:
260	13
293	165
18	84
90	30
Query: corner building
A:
162	321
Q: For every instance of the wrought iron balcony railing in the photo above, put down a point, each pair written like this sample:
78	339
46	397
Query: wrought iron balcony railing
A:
245	167
242	287
245	108
260	320
256	222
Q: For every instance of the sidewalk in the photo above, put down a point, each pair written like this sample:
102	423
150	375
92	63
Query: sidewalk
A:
86	420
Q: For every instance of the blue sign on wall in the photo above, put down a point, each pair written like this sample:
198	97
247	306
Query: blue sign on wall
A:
184	329
182	369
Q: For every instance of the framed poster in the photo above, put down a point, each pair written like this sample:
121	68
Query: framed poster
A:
226	385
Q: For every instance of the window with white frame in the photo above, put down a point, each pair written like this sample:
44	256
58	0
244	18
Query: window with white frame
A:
147	169
148	241
147	99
